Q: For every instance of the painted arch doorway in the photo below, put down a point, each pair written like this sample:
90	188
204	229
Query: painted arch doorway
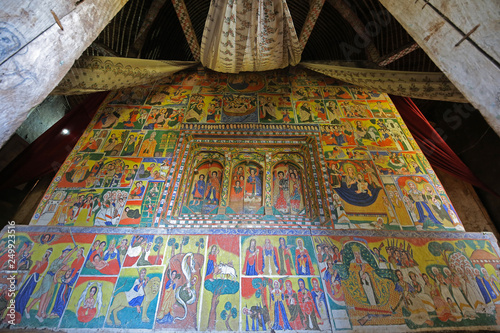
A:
245	196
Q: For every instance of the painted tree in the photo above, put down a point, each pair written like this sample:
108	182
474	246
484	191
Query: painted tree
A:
185	241
219	287
228	313
200	244
441	249
461	246
173	243
157	248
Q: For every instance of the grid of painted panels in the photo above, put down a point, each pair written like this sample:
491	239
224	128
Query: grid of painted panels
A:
249	279
374	175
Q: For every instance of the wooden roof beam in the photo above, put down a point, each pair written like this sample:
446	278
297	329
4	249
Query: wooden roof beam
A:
187	27
350	16
31	72
312	16
140	39
467	54
398	54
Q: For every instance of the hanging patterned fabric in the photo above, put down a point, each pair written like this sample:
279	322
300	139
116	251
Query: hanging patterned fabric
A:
424	85
234	41
91	74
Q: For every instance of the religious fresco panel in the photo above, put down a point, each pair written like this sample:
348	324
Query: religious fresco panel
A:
251	280
147	134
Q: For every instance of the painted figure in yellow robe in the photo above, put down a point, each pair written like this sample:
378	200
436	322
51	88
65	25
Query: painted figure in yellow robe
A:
165	315
365	273
148	146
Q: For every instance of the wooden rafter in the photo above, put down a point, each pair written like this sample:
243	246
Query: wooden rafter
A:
25	81
187	27
350	16
312	17
391	57
140	39
104	50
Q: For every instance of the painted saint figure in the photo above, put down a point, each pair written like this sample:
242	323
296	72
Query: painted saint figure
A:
281	190
136	294
254	184
269	258
213	189
167	303
29	285
285	258
308	307
364	270
292	302
251	259
212	262
280	315
199	190
303	260
295	193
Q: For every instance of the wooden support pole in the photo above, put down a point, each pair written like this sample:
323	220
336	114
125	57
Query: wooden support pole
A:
30	73
472	66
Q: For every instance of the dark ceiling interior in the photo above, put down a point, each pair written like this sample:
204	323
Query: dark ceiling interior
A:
333	37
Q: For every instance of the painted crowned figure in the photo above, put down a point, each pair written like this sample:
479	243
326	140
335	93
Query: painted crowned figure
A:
365	275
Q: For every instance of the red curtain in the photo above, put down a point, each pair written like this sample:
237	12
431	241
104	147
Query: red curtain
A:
49	151
437	151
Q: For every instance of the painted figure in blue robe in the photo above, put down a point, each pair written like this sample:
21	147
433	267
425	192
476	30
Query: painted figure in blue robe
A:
212	262
417	197
303	260
269	259
280	316
488	284
167	303
62	297
254	184
319	299
26	290
112	253
135	295
482	288
199	190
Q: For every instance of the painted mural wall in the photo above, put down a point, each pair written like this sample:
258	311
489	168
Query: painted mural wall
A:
250	280
282	147
281	200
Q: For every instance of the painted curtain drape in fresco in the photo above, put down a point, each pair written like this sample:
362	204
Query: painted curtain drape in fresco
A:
234	41
424	85
91	74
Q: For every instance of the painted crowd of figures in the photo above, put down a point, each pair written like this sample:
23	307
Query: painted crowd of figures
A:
282	282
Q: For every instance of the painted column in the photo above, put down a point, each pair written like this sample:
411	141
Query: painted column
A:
269	178
225	185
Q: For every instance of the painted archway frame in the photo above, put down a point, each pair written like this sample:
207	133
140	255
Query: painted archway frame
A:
259	152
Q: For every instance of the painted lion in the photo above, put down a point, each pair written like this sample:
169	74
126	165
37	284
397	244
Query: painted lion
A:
120	301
